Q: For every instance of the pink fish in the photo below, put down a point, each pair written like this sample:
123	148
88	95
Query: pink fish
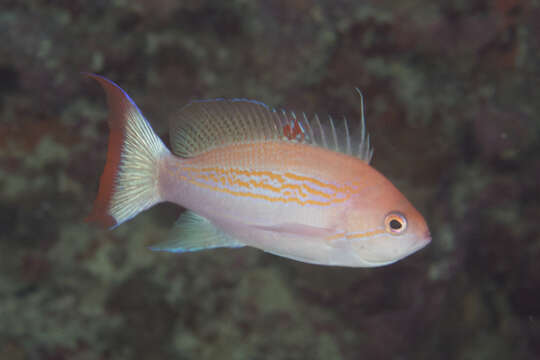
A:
252	176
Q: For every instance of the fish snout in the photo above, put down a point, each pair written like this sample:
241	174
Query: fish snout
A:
424	239
421	240
427	236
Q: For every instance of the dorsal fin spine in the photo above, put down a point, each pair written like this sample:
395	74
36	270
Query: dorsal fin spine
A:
323	136
347	136
363	118
369	150
308	125
299	131
296	121
282	123
334	134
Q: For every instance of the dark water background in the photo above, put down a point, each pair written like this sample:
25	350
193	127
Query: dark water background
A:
452	90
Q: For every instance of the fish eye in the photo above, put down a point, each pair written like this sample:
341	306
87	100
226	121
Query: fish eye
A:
395	223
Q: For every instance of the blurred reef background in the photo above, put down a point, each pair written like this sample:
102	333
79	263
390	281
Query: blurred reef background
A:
453	105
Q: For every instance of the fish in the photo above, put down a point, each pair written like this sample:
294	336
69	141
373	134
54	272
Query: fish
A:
250	175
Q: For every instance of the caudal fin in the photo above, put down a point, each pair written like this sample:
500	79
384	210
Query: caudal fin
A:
129	183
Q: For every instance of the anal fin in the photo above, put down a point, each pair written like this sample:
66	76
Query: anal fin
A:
192	232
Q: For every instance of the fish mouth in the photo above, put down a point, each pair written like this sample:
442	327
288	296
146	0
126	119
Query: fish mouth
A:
427	237
420	242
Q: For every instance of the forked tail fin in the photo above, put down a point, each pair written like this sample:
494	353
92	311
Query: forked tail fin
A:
129	183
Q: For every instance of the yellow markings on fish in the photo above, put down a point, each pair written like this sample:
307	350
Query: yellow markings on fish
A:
265	197
315	181
267	185
348	236
336	236
366	234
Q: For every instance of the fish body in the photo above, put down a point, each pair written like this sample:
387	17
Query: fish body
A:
251	176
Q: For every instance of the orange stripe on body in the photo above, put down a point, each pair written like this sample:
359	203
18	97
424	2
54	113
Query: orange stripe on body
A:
273	176
287	190
219	170
229	177
354	236
369	233
315	181
266	197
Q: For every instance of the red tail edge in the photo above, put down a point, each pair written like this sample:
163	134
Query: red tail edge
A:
118	104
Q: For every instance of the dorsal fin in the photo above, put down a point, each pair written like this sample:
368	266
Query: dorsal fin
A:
208	124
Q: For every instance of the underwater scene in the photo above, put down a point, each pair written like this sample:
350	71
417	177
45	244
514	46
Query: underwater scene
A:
303	179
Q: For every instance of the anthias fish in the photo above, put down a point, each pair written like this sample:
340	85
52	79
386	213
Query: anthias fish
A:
249	175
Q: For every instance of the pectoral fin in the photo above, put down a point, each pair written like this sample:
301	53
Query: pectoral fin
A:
192	232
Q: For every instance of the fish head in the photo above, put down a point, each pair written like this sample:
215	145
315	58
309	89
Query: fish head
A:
383	226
